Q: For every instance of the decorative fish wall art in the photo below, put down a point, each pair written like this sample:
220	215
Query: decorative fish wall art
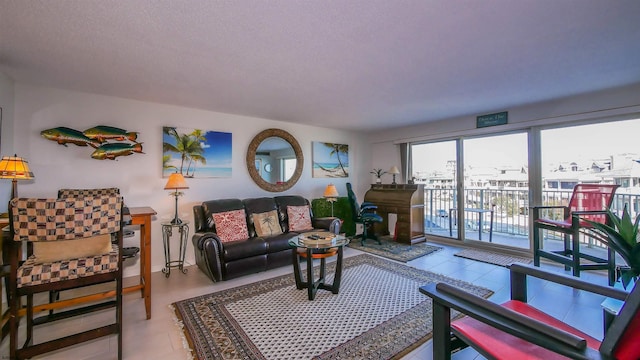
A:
109	142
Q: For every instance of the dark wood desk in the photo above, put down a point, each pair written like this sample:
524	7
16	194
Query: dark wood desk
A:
405	200
141	216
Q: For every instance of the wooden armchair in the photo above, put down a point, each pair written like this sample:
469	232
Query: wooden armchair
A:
516	330
83	226
588	201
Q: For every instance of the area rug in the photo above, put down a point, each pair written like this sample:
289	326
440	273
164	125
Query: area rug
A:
394	250
378	314
492	258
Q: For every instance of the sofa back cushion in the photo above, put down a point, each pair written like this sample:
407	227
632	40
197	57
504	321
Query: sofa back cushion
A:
208	208
257	206
299	218
266	224
231	225
283	202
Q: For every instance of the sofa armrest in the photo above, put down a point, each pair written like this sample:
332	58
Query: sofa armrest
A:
331	224
208	250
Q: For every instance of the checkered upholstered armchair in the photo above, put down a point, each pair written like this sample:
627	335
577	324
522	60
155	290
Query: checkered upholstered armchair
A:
69	246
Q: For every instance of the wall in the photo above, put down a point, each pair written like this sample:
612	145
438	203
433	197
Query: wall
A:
7	100
139	175
619	102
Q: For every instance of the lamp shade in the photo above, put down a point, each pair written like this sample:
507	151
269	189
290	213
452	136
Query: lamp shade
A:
14	167
331	191
394	170
176	181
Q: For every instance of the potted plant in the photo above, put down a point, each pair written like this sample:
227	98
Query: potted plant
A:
378	173
622	237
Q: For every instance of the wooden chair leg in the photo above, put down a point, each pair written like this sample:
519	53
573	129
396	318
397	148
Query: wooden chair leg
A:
441	332
567	249
536	246
575	253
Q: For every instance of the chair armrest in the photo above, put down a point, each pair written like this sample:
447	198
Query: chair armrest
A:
208	250
519	272
548	207
589	212
367	206
509	321
330	224
199	238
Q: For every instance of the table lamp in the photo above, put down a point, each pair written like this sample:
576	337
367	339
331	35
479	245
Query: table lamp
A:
14	168
394	171
331	194
176	182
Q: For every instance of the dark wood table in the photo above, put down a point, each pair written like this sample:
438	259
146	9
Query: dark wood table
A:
317	245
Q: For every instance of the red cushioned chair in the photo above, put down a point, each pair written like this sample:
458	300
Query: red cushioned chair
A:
516	330
590	202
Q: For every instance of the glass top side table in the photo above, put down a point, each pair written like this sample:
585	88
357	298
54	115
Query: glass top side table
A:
317	245
167	233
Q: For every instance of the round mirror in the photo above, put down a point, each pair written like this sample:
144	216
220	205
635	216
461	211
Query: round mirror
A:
281	154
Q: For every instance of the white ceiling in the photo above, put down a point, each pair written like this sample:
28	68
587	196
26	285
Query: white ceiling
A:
351	64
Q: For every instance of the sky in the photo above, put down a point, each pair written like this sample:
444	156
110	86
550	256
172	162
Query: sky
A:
584	142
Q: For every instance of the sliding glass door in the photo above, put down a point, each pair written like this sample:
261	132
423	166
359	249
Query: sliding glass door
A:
494	195
434	165
496	189
605	153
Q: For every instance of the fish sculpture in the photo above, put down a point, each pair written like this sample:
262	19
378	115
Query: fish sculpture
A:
112	150
64	135
103	133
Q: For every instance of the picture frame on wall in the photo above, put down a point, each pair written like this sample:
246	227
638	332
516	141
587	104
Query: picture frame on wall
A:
330	160
196	153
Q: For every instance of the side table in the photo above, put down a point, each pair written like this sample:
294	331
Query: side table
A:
167	232
317	245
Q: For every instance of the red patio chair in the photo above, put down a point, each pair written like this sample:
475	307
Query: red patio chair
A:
588	201
517	330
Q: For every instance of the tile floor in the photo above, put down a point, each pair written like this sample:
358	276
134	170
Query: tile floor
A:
159	338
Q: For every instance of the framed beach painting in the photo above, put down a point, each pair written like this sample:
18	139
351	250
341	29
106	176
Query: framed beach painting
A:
330	160
196	153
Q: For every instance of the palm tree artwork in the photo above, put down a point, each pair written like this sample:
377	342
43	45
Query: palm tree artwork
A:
330	160
196	151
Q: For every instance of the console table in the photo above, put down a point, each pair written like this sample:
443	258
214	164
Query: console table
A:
141	216
405	200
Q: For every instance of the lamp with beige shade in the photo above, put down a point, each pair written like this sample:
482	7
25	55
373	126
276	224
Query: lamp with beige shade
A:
176	182
331	194
394	171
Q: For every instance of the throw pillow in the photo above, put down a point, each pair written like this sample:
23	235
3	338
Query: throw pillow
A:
299	218
267	224
231	225
53	251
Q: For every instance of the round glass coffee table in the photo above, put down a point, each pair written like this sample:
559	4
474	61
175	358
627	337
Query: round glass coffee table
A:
317	245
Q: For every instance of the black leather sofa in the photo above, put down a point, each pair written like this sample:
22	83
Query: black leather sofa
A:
226	260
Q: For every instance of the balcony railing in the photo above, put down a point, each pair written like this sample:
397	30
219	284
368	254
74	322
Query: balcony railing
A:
511	209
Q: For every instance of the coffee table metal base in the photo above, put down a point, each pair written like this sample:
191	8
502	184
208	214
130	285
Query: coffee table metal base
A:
312	285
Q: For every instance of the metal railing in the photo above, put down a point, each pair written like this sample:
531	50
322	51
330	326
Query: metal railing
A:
511	207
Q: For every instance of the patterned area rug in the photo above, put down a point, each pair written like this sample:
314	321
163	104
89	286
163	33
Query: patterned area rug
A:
491	257
394	250
378	314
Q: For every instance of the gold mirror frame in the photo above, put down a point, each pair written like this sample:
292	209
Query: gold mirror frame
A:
251	160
